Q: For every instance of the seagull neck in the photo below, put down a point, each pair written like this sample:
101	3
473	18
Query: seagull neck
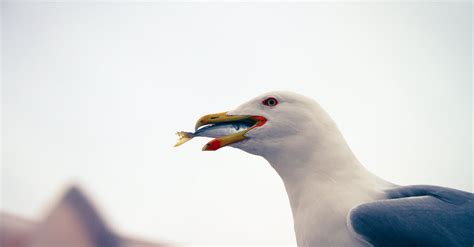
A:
322	168
323	182
325	158
338	171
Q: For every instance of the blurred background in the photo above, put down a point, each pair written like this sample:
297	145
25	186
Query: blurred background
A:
93	93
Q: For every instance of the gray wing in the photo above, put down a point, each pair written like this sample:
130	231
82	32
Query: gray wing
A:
417	216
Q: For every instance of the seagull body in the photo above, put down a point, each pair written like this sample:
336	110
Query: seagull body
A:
335	201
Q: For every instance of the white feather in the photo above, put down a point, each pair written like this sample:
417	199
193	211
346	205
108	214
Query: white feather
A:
322	177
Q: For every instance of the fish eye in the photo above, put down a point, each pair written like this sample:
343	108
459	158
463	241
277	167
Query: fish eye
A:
270	101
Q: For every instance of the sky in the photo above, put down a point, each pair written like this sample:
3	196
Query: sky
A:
92	94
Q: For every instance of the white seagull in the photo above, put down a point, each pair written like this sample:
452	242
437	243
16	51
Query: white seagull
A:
335	201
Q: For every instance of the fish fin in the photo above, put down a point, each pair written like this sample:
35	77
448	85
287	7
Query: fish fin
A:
183	137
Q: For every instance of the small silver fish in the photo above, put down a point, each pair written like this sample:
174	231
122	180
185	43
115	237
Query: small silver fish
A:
214	131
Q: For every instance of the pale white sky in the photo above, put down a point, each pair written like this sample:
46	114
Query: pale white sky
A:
93	94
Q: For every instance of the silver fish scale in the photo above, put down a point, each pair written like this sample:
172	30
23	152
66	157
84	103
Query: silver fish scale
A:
220	130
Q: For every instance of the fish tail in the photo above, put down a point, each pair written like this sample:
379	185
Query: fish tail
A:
183	137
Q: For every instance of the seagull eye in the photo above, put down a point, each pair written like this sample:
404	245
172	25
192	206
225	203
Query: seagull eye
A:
270	101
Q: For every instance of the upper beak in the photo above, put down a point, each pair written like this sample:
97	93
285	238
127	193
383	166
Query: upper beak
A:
223	117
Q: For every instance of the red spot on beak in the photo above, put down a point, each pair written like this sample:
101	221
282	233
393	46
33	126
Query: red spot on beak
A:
213	145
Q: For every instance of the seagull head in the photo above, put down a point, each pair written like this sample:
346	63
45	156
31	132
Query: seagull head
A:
280	122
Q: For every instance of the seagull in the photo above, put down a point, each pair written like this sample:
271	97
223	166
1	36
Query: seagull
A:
335	200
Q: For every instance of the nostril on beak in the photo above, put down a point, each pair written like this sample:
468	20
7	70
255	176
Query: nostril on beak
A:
214	118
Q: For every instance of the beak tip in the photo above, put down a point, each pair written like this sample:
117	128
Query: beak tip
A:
209	119
206	148
198	124
212	145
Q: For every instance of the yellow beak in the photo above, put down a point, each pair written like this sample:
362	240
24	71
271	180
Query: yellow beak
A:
224	118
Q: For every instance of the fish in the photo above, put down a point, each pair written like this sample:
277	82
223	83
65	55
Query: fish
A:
213	131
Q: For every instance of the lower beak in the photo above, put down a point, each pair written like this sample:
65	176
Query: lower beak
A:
224	118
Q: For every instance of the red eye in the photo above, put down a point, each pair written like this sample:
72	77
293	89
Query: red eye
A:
270	101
